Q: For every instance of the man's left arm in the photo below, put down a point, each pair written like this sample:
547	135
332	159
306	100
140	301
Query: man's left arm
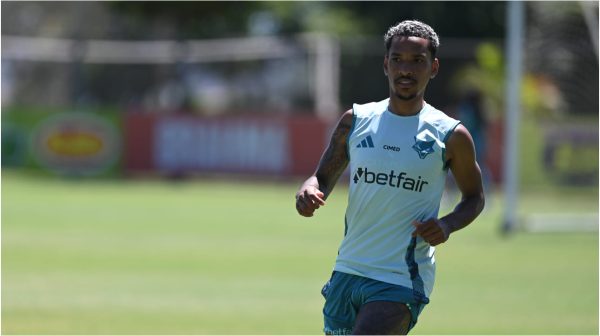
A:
460	155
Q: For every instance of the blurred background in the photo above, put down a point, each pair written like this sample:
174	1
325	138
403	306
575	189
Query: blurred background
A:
151	152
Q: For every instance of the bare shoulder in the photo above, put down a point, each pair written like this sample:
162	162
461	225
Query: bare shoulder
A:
460	143
346	119
343	127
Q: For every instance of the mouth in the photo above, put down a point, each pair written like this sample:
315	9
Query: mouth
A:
405	82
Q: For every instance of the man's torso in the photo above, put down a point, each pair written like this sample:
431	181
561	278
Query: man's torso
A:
397	175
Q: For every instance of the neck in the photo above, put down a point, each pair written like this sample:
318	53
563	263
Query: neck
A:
406	107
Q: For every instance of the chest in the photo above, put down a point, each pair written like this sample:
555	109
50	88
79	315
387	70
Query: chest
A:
401	144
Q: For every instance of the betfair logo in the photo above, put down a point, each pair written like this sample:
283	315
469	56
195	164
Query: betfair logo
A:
392	180
366	143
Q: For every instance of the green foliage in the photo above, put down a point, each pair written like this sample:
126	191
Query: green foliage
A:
186	19
540	108
211	19
485	75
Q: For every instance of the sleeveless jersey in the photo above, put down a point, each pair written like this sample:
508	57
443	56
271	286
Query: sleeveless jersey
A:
397	175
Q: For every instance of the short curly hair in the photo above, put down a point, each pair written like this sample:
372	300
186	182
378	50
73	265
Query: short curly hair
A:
413	28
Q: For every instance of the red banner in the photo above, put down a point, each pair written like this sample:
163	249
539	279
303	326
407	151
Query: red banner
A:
248	145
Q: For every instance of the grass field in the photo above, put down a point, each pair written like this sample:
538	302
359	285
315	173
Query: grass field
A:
202	257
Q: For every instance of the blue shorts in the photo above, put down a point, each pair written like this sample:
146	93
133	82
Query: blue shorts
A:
345	294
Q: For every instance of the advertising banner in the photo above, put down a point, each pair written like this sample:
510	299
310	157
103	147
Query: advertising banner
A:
74	143
278	146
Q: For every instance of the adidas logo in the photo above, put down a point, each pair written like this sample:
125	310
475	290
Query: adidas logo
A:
366	143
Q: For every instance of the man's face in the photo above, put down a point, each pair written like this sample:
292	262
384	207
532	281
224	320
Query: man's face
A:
409	67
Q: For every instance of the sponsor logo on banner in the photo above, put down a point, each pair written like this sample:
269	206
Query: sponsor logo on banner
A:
221	145
75	143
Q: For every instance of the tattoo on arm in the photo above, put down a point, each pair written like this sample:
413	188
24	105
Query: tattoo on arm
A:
335	158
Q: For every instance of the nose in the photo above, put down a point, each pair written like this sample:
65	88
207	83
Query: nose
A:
405	69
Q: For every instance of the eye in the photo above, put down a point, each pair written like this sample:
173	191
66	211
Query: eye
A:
419	60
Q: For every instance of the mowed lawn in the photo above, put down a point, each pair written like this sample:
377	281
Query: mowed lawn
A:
232	257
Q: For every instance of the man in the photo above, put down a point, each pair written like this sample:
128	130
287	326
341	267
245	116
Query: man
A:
399	151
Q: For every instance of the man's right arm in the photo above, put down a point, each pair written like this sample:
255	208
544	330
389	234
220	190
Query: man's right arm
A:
315	190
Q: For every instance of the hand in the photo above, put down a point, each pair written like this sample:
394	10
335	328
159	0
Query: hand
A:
308	200
433	231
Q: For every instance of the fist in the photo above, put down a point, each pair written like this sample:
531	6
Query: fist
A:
433	231
308	200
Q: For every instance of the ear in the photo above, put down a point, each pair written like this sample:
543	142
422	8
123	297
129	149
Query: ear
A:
385	65
435	67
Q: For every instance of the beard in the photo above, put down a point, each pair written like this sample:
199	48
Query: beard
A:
407	97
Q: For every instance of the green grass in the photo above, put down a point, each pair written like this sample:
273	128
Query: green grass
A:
202	257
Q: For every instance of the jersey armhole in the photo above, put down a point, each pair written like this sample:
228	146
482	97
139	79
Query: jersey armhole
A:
450	131
350	133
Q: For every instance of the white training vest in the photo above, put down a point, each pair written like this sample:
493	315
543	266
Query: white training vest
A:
397	175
